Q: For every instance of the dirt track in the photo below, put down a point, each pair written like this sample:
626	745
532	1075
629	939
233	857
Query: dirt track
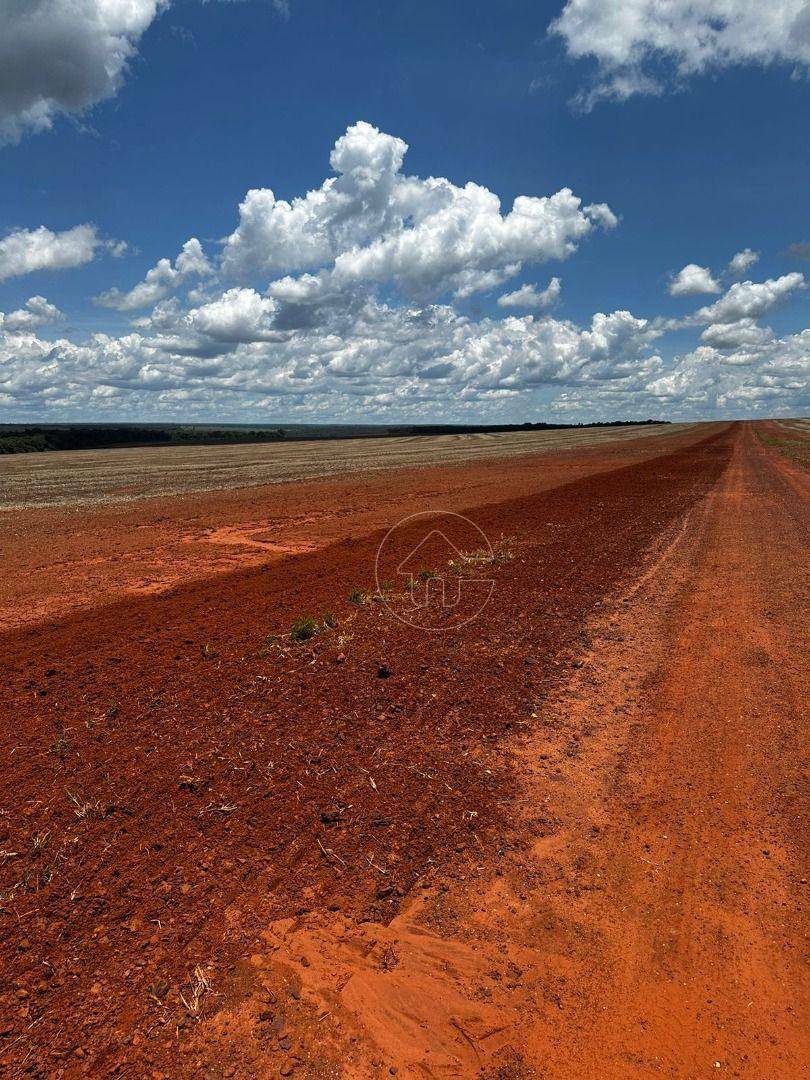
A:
564	842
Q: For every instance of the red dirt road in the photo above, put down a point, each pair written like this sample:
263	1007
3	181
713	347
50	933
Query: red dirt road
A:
565	841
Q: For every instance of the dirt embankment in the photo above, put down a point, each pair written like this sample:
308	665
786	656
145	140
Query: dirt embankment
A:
560	842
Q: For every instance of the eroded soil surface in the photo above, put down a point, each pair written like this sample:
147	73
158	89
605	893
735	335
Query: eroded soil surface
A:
565	840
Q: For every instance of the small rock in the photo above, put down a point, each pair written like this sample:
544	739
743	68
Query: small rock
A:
383	671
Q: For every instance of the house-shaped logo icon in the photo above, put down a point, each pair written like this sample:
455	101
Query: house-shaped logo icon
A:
434	587
430	570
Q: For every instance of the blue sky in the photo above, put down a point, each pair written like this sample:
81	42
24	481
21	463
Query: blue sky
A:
700	149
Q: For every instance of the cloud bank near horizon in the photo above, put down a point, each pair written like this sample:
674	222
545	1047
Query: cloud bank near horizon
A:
352	301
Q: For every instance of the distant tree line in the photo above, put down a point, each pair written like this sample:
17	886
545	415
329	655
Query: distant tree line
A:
26	439
487	429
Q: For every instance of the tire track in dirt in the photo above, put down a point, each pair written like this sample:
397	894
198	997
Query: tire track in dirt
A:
702	864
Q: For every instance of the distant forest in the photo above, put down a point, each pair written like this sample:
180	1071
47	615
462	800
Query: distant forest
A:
34	438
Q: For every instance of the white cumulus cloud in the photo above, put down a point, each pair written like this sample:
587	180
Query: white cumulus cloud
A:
373	224
643	46
24	251
161	280
529	297
239	315
737	336
742	262
692	280
37	312
750	299
62	56
361	318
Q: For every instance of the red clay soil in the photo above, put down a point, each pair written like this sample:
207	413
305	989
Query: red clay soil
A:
562	841
61	560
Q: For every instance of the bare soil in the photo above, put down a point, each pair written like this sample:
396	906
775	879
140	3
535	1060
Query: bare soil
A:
566	840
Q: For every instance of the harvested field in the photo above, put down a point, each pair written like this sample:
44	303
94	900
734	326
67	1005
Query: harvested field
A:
122	475
563	841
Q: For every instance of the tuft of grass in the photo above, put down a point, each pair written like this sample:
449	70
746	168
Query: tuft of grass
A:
329	620
383	592
303	629
60	747
426	575
469	560
39	841
82	807
357	597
